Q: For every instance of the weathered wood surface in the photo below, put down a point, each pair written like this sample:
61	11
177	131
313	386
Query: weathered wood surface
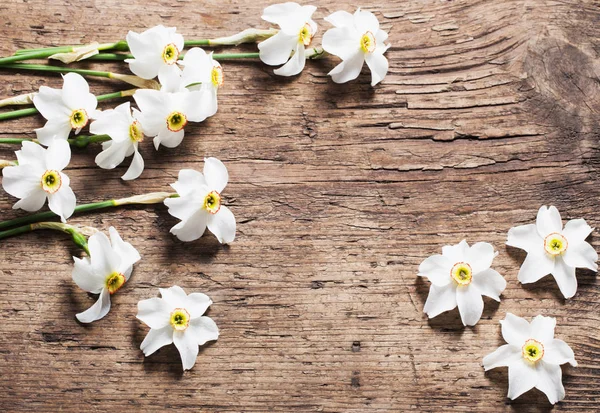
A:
490	110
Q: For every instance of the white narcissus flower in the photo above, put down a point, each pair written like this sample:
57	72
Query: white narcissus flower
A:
155	51
177	318
164	115
66	109
104	272
355	39
126	133
533	357
459	277
552	249
202	72
38	177
199	203
297	30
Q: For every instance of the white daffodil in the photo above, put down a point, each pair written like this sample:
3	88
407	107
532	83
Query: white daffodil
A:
355	39
533	357
126	133
164	115
199	203
552	249
38	177
297	30
459	277
177	318
156	50
104	272
66	109
202	72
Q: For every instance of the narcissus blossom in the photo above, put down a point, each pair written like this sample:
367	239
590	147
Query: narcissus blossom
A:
156	50
297	30
355	39
199	204
104	272
126	133
177	318
552	249
39	176
459	277
202	72
66	109
533	357
164	115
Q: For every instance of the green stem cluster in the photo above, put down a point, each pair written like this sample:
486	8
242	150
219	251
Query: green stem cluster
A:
79	141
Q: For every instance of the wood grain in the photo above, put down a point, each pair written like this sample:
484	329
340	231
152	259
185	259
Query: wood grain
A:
490	110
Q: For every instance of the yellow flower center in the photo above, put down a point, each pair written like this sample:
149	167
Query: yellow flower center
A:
170	54
532	350
79	118
180	319
367	42
114	282
212	202
51	181
306	34
176	121
216	75
555	244
462	273
136	134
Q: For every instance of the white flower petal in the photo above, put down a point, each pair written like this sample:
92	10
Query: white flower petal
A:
170	78
151	103
576	230
174	296
203	329
188	181
378	64
154	312
112	156
22	180
276	50
542	328
114	123
104	260
550	381
365	21
522	377
32	202
515	330
183	207
340	18
54	129
127	253
168	139
197	304
480	256
136	168
456	253
156	338
58	155
192	228
581	255
144	44
525	237
470	304
222	225
548	221
187	346
63	201
565	277
489	283
283	14
295	64
215	174
537	265
76	93
440	299
49	103
503	356
437	269
558	352
100	308
85	276
32	154
343	42
349	69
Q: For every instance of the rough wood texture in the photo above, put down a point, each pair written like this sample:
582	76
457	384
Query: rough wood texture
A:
490	110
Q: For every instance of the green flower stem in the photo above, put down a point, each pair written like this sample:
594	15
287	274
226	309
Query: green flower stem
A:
58	69
13	114
151	198
43	53
77	237
79	141
216	56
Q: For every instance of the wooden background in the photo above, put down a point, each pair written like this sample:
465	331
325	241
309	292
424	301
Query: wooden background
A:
489	111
